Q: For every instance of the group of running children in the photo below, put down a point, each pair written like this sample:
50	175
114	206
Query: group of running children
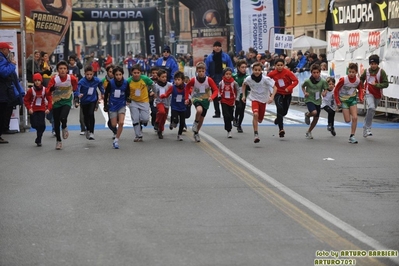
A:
235	87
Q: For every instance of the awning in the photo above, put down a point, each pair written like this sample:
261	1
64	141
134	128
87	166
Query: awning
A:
10	19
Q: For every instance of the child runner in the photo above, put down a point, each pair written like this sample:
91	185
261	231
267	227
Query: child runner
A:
313	88
115	96
285	82
177	103
202	90
375	79
239	77
328	104
153	107
228	90
62	85
162	104
38	101
263	90
140	89
88	96
108	77
346	92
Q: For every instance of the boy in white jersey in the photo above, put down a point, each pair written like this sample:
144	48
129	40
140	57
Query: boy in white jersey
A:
162	104
62	86
262	92
374	79
202	90
328	104
345	94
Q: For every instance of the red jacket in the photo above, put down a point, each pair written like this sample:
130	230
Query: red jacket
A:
284	80
38	100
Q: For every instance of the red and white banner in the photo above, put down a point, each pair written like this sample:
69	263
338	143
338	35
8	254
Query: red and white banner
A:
356	46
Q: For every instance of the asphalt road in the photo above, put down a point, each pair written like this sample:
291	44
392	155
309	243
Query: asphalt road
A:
218	202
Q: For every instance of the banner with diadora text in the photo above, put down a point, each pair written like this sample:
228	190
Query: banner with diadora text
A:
356	46
366	14
253	20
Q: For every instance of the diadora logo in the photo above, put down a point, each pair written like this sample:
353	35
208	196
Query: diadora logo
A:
258	5
358	12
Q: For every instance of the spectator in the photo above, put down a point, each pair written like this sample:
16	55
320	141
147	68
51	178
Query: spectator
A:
11	93
108	61
168	62
33	65
215	63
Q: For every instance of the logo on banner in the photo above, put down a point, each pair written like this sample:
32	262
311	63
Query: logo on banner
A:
354	42
335	43
374	41
258	5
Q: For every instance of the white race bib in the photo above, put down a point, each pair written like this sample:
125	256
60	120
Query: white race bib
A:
202	90
179	98
161	91
317	95
227	94
117	93
281	83
90	91
137	92
38	102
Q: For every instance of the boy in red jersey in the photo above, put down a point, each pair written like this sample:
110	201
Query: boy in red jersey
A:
285	82
38	101
228	88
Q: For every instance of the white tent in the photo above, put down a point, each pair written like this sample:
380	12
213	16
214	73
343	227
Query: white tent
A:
305	43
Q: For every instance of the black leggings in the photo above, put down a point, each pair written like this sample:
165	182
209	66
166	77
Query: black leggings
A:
37	121
282	104
239	112
331	115
179	117
227	116
60	115
88	115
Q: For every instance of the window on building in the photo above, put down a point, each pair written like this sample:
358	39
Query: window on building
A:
78	31
309	6
287	8
92	32
322	6
298	7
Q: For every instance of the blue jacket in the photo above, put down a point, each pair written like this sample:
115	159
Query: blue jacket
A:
116	103
84	86
210	64
10	89
302	62
171	66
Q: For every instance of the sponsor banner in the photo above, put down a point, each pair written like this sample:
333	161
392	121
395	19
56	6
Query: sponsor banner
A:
351	15
256	20
114	14
52	20
390	63
356	46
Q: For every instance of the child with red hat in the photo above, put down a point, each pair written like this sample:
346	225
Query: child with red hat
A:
38	101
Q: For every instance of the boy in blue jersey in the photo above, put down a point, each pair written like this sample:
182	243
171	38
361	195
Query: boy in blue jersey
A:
88	97
115	96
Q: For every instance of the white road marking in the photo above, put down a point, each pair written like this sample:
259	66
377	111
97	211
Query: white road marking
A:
305	202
